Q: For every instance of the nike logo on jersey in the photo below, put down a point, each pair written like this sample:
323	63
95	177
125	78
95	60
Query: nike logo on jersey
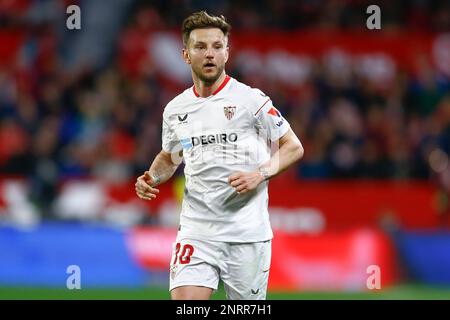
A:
254	291
181	119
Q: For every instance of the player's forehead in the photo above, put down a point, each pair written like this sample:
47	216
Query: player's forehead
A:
207	35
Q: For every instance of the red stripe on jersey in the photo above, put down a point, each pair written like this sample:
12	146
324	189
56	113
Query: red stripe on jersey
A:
262	106
222	85
195	91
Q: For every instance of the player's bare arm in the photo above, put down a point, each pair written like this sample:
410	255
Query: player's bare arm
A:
161	170
290	150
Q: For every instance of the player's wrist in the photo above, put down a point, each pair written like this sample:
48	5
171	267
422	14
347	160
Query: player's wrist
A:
155	179
264	173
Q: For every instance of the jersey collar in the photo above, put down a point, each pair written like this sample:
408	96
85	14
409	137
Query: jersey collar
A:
222	85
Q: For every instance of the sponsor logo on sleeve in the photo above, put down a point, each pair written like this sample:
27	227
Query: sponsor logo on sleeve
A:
274	112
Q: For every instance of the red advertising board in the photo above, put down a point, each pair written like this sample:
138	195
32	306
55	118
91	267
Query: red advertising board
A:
349	260
257	51
404	48
151	247
330	205
328	261
347	204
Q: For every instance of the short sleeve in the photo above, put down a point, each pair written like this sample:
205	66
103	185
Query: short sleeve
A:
170	142
268	117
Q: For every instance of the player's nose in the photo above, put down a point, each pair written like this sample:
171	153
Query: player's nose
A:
209	53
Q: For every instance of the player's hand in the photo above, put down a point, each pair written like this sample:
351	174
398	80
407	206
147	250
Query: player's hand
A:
144	189
245	181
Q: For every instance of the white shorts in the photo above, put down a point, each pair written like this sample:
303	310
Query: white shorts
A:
243	267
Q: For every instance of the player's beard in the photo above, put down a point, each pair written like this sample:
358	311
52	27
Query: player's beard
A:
209	79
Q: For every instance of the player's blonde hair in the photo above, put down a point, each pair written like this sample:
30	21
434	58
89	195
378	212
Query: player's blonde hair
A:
202	19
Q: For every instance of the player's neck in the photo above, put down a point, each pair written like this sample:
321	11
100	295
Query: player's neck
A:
205	89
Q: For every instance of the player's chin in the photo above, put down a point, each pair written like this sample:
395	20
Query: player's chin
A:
210	75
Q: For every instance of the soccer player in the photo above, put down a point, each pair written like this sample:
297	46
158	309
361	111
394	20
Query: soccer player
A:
226	132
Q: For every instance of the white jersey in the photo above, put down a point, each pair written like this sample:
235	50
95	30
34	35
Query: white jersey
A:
229	131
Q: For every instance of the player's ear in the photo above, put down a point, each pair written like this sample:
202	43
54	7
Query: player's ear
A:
227	52
186	57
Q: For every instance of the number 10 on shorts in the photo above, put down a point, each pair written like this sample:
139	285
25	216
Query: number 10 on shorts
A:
186	252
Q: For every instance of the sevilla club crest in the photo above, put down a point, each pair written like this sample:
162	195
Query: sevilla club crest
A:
229	111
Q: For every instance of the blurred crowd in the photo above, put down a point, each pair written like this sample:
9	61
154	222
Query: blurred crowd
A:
58	122
420	15
415	15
